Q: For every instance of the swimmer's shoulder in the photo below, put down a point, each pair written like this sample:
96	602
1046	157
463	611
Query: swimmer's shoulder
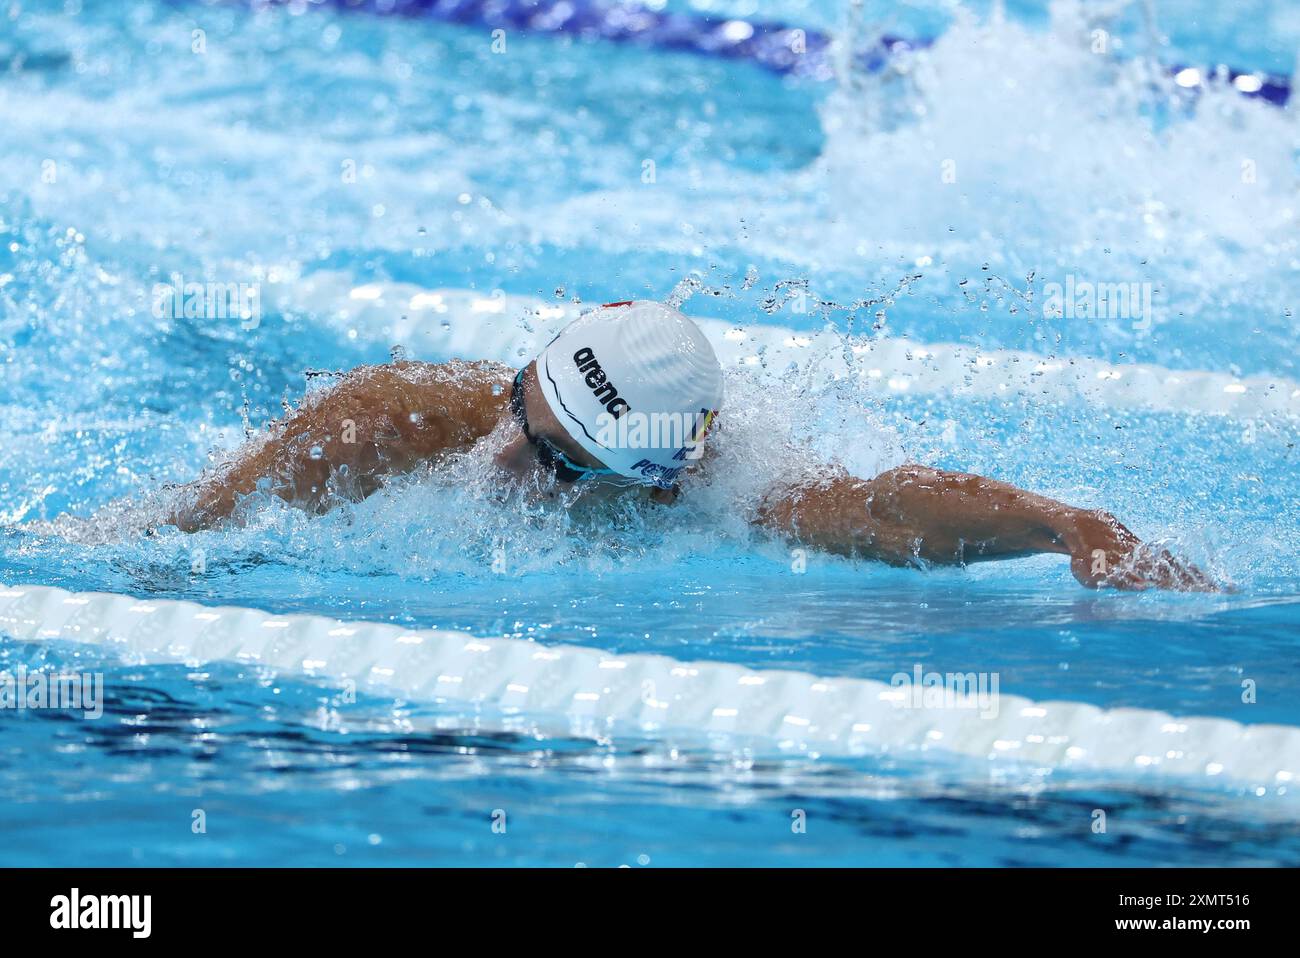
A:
449	403
469	392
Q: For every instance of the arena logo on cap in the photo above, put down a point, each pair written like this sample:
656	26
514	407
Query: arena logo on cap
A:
604	391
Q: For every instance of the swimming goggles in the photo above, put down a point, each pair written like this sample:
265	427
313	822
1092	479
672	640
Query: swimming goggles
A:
548	454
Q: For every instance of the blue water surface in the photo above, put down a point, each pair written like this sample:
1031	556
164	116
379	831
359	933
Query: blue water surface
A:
390	150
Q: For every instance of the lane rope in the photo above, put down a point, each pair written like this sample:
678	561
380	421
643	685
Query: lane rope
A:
458	323
795	711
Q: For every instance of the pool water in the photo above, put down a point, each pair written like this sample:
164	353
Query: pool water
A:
305	142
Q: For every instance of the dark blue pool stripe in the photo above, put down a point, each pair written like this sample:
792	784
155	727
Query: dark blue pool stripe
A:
769	45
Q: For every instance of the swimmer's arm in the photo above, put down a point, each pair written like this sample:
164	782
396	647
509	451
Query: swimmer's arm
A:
916	514
377	421
285	465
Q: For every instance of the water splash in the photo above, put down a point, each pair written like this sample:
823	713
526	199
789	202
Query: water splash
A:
856	217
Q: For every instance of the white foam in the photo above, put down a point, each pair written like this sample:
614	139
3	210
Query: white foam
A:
589	688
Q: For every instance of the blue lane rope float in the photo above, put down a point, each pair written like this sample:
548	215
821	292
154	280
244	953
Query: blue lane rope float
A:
779	47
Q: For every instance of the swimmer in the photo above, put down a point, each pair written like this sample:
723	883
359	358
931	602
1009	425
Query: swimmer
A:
620	402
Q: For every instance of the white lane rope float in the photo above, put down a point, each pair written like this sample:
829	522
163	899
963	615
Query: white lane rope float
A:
795	711
465	324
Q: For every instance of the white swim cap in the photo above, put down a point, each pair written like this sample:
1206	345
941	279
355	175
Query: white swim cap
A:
635	384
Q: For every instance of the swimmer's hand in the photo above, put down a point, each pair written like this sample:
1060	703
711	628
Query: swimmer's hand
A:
1105	554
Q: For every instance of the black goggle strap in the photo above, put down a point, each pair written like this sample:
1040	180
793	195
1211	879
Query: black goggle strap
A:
547	454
